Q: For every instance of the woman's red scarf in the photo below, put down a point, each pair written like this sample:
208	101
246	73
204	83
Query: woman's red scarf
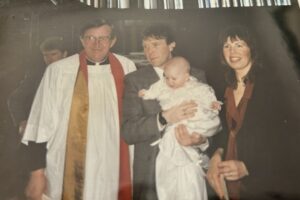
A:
235	117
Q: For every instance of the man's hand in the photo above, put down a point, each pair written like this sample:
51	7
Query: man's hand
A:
183	111
233	170
141	93
185	139
213	174
37	185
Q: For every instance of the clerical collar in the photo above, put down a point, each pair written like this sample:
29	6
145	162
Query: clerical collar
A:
104	62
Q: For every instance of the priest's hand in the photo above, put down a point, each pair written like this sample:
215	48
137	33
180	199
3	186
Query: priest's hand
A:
184	138
37	185
22	127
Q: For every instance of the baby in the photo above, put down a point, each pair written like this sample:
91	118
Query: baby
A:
178	174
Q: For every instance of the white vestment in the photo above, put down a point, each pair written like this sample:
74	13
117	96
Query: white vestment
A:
48	122
178	174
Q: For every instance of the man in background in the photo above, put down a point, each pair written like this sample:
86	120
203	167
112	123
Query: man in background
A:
19	102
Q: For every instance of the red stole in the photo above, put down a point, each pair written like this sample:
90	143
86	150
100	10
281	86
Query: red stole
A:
118	74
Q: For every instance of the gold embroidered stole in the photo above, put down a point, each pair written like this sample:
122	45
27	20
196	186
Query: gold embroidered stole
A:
76	142
73	183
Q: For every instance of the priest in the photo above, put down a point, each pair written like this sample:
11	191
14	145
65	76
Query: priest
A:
73	131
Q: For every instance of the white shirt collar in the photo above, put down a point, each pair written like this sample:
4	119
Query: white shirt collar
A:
160	72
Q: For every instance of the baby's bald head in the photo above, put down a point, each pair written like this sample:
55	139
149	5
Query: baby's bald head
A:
177	72
180	64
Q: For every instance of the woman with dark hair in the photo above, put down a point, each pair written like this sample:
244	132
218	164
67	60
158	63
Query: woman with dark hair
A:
254	156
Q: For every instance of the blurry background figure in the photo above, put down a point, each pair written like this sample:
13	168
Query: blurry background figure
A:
19	102
53	49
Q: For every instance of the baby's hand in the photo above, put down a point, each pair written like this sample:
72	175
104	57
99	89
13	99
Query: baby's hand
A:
216	105
142	93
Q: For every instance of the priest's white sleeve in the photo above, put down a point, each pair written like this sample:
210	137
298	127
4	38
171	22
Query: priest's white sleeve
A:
43	114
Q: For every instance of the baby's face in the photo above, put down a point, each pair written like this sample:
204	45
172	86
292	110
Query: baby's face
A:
175	78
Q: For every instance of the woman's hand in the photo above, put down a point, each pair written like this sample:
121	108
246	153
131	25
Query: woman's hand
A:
213	175
232	170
